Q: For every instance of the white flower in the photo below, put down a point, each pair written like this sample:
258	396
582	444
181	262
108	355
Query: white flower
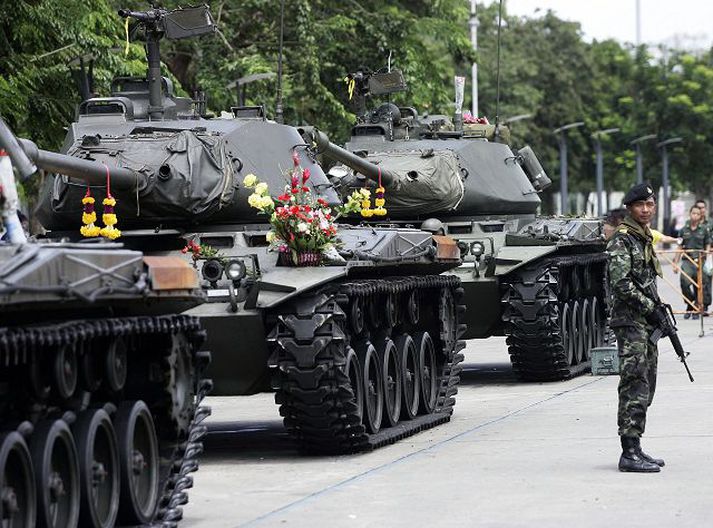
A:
266	202
250	180
254	200
261	188
302	227
270	237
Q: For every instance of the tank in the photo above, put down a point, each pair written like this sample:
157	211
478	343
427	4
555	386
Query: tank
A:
101	380
538	280
360	352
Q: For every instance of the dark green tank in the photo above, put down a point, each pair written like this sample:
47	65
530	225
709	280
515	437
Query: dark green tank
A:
101	380
538	280
361	352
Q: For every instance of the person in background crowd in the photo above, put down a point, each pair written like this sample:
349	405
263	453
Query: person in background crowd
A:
694	238
706	278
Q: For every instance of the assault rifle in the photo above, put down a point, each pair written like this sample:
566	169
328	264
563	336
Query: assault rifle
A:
665	325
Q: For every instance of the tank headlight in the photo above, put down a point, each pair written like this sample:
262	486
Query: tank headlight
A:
212	270
463	247
477	249
235	270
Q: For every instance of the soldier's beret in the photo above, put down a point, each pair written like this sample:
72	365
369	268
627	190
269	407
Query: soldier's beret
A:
640	191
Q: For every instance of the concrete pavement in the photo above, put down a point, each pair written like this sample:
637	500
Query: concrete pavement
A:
514	455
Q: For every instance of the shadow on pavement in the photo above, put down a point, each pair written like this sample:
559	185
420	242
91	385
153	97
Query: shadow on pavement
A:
247	441
487	374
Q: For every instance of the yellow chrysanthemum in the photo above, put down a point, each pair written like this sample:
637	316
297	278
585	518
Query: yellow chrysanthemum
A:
366	213
110	232
109	201
88	200
379	202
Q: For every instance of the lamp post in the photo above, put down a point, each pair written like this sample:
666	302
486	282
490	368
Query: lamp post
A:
639	162
597	138
473	23
665	183
561	132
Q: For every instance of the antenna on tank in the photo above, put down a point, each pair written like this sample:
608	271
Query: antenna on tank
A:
497	88
278	105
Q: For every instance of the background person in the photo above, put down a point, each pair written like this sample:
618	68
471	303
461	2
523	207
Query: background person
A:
706	277
694	237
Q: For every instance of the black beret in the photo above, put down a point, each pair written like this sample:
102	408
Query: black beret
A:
640	191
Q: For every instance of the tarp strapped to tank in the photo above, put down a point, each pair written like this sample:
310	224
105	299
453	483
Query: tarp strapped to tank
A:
185	173
426	182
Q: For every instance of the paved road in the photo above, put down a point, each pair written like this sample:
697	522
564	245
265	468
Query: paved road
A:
514	455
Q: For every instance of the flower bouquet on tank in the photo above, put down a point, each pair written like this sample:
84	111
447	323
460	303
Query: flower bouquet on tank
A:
303	231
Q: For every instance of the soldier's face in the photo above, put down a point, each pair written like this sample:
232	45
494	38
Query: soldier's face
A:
642	210
695	215
702	207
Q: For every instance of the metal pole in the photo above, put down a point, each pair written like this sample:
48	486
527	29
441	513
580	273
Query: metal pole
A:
666	189
474	68
600	174
639	165
279	117
638	23
564	197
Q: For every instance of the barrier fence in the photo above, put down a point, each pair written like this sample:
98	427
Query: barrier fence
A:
696	257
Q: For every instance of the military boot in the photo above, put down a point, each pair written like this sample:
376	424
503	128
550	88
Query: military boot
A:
631	459
658	461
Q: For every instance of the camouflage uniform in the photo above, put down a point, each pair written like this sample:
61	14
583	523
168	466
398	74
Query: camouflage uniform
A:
693	239
633	268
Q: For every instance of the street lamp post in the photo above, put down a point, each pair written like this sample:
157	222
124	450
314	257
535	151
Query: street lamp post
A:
561	132
597	138
665	183
639	162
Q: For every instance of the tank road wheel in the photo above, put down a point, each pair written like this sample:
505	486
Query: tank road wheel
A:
413	308
138	462
565	335
179	383
575	338
17	483
391	310
90	372
428	371
391	378
54	457
99	468
65	371
596	322
410	379
353	370
375	312
36	372
356	315
373	386
116	364
587	331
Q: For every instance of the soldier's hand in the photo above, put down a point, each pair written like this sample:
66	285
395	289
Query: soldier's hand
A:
659	319
675	268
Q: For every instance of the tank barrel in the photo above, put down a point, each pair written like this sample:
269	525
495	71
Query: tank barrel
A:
354	162
19	158
91	172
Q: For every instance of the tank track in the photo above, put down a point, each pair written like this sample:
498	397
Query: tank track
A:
535	299
313	337
179	446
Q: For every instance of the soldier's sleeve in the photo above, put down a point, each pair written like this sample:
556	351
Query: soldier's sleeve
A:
620	281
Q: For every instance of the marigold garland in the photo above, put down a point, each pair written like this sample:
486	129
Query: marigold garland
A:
89	216
379	201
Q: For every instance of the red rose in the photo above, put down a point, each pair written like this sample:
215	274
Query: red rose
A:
322	202
284	197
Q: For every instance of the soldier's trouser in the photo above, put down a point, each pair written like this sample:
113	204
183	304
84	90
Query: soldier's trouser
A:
638	361
690	289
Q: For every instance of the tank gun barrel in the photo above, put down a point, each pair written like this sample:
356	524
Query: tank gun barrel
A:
25	155
354	162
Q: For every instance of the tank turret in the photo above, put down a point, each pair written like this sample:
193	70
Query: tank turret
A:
170	165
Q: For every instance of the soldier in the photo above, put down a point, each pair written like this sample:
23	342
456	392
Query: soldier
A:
706	278
633	267
695	236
